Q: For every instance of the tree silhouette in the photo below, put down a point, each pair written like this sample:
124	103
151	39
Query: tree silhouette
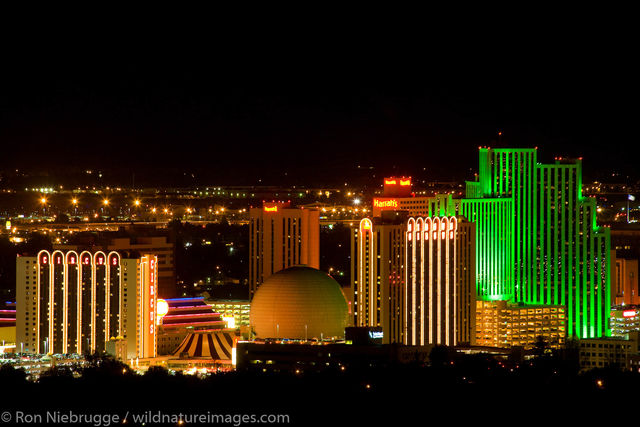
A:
541	346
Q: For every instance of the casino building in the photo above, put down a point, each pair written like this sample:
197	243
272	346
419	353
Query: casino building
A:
537	239
440	297
553	250
397	195
377	266
75	303
398	268
184	316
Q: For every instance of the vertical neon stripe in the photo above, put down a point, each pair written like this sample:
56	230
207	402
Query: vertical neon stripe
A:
569	265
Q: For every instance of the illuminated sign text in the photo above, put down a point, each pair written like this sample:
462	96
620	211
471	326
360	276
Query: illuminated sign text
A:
385	203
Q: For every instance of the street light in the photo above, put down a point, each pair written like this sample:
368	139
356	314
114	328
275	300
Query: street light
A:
43	201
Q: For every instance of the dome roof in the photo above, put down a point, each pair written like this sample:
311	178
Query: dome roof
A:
297	297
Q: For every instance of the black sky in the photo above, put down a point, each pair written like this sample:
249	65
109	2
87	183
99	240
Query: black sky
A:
314	106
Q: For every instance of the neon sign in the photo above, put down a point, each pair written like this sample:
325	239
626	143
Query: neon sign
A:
629	313
391	181
405	182
150	302
385	203
271	209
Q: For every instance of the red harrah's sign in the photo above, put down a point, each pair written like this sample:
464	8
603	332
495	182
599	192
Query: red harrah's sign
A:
389	203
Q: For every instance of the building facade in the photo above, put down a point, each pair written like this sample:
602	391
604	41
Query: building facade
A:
162	248
377	271
159	246
397	195
281	237
606	352
440	291
184	316
625	319
238	309
558	255
502	324
626	282
76	303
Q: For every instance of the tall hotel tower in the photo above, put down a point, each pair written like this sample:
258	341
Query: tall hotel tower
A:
399	270
440	297
281	237
75	303
377	269
547	237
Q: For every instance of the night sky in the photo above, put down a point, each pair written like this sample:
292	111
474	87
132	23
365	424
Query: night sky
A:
236	109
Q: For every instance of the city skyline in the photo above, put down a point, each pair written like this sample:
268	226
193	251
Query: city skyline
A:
292	223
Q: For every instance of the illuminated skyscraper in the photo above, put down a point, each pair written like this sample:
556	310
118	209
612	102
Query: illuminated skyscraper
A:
493	218
494	245
281	237
75	303
556	252
377	271
381	261
440	297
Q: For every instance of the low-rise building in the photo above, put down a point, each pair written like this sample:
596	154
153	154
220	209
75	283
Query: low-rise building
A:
612	352
238	309
184	316
624	319
503	324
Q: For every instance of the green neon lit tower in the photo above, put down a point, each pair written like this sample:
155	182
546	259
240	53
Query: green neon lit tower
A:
539	227
494	246
494	239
